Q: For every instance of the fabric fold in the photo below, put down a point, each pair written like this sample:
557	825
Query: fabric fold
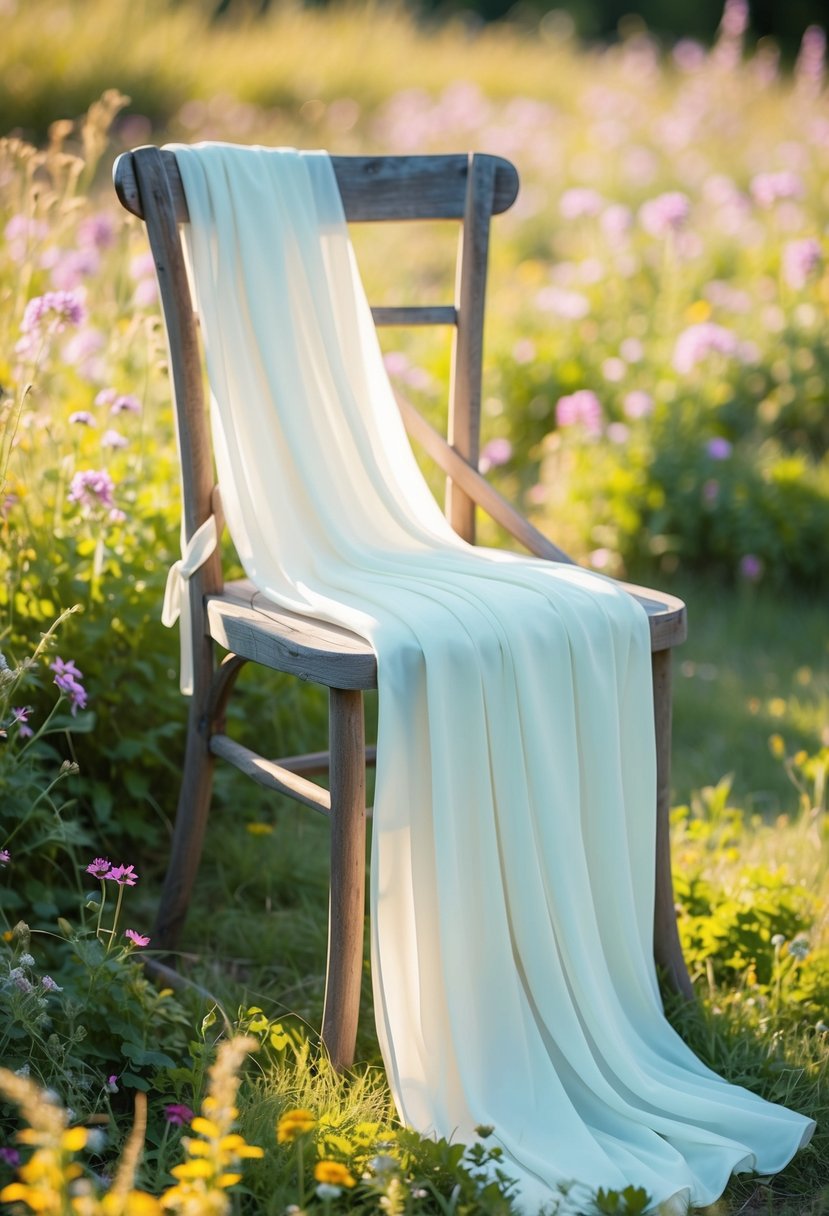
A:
194	553
513	833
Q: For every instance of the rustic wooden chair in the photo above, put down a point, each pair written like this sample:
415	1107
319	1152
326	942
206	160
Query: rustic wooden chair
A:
240	620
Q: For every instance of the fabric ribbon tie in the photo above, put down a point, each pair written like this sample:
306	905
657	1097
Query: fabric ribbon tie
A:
177	593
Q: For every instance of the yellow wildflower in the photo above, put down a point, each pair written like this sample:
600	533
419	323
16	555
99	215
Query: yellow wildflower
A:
294	1123
334	1173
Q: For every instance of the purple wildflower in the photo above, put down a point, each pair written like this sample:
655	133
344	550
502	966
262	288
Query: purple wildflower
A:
137	939
49	985
57	309
99	867
494	453
125	876
112	1084
5	857
665	214
769	188
580	202
82	418
581	408
96	232
21	713
751	567
114	439
800	260
106	396
70	270
92	488
718	448
10	1156
68	679
125	403
178	1114
83	351
698	341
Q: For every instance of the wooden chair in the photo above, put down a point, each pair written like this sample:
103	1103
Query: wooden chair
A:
239	619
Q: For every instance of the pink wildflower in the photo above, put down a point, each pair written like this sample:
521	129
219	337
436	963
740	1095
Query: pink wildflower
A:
698	341
10	1156
494	453
56	308
637	404
580	202
96	232
125	403
665	214
5	857
99	867
68	679
137	939
82	418
800	260
114	439
178	1114
769	188
751	568
49	985
571	305
21	233
92	488
581	408
70	270
106	396
718	448
125	876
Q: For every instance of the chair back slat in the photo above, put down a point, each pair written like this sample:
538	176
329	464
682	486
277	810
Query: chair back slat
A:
467	188
372	187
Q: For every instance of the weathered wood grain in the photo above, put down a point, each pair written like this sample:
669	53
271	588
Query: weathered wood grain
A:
270	774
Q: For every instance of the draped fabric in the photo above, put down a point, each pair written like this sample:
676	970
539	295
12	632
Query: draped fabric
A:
513	837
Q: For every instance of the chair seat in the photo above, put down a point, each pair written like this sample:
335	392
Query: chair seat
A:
243	620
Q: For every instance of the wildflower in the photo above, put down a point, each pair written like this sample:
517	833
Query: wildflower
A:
769	188
67	678
5	857
112	1084
778	940
114	439
294	1123
800	260
125	403
383	1163
70	269
10	1156
21	233
326	1192
614	369
92	488
125	876
96	231
106	396
57	308
571	305
698	341
581	408
616	220
21	713
718	448
83	351
665	214
82	418
494	453
99	867
799	949
137	939
637	404
26	960
334	1173
142	266
580	202
809	67
751	567
49	985
178	1114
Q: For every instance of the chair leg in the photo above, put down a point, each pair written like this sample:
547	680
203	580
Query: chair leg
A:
188	833
666	946
346	915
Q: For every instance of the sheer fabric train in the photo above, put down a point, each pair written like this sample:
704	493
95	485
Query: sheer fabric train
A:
513	833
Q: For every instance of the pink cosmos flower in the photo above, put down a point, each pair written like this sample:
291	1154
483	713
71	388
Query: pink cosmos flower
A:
581	408
665	214
178	1114
99	867
137	939
92	488
698	341
125	876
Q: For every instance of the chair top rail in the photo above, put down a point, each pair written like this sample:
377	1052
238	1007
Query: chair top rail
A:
372	187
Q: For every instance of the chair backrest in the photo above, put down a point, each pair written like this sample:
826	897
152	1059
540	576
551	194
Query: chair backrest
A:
469	188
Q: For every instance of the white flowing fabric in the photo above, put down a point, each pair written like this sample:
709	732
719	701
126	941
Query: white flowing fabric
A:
513	836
